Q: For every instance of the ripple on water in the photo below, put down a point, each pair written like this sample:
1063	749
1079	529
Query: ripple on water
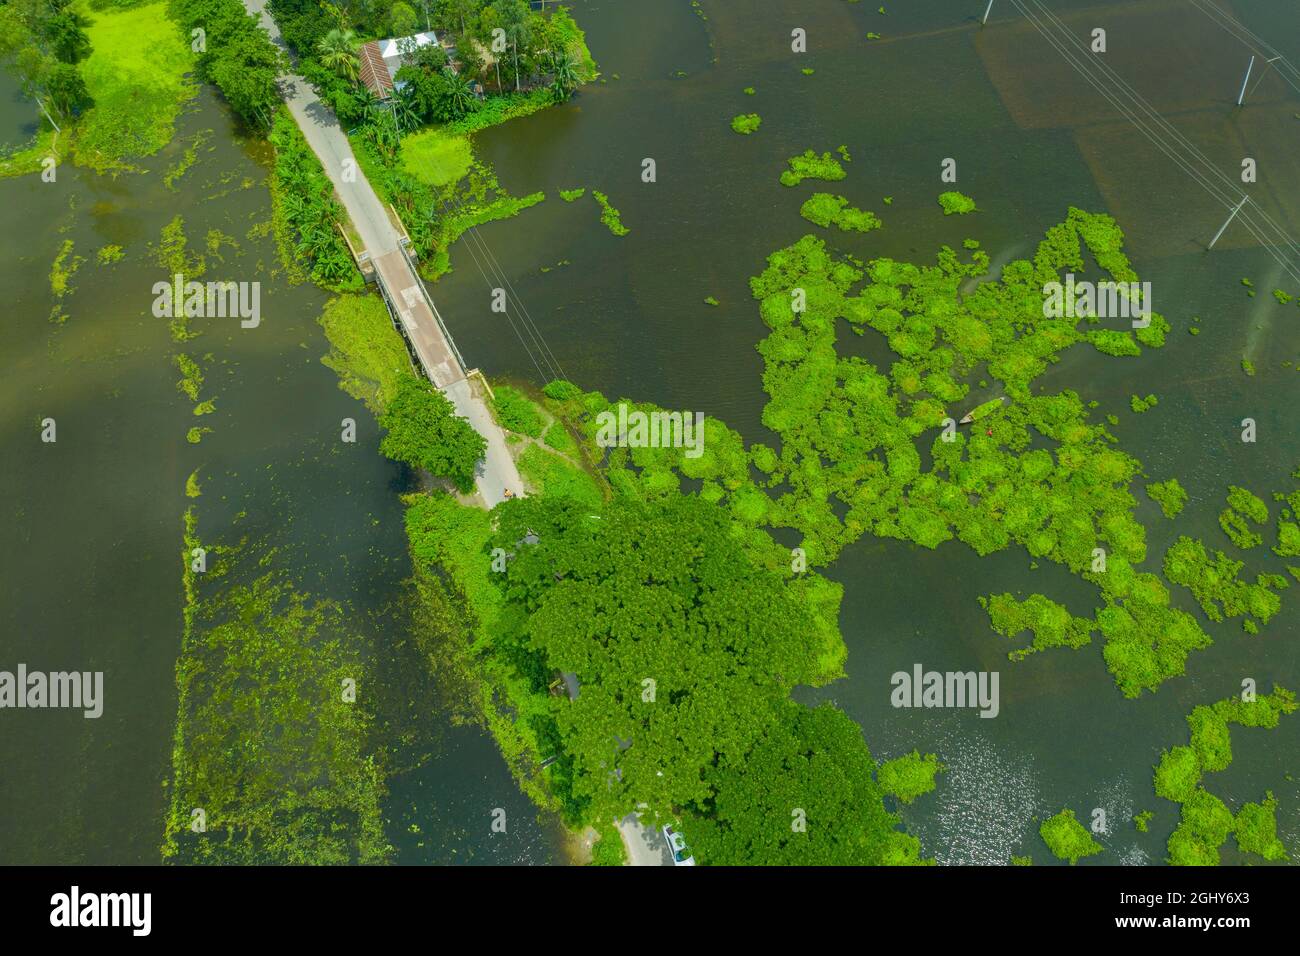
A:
989	806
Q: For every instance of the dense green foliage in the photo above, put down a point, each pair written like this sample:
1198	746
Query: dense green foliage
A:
746	123
1243	507
546	55
1216	586
425	432
1170	495
515	412
804	795
1067	838
608	850
1050	623
557	476
1034	472
239	58
366	352
955	203
41	44
662	593
826	210
609	215
307	214
910	776
1205	821
809	165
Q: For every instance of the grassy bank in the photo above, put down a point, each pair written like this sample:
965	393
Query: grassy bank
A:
306	214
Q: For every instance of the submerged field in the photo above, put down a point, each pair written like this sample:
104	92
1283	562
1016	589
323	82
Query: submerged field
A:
136	73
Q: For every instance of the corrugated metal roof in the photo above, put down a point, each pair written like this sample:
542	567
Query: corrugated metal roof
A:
374	71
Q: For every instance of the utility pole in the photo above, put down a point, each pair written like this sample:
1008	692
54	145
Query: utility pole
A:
1225	225
1242	95
986	13
47	114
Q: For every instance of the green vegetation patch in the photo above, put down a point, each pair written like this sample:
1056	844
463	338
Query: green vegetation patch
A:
437	157
826	210
516	412
609	215
366	352
1243	507
1050	623
267	667
306	213
137	74
553	476
955	203
1215	584
908	777
425	432
811	166
1067	838
1170	495
746	123
1035	471
1205	821
608	850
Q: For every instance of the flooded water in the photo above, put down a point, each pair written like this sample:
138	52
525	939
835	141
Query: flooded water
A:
19	116
89	572
1031	139
90	569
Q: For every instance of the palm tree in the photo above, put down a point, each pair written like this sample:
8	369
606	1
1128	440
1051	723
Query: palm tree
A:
404	114
565	76
514	17
338	51
460	96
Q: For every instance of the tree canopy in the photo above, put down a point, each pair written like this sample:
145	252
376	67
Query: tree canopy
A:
682	646
804	795
425	432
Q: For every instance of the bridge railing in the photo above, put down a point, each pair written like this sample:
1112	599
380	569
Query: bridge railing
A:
428	300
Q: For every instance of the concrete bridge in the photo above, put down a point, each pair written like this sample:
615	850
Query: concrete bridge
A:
395	274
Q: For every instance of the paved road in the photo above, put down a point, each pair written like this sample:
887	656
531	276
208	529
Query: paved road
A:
320	127
645	844
327	139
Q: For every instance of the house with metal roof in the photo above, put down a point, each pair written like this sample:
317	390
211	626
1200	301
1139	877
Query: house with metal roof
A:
381	59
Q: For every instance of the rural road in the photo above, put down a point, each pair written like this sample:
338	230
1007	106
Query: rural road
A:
408	295
645	844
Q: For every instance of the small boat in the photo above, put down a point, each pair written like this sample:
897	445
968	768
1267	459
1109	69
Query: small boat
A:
979	411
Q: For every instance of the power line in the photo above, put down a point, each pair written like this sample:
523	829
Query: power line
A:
1236	28
1188	165
526	319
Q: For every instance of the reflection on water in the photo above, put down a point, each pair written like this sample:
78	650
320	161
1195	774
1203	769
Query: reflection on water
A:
19	115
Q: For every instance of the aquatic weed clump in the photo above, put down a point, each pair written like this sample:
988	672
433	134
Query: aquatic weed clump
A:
825	209
811	166
1205	821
